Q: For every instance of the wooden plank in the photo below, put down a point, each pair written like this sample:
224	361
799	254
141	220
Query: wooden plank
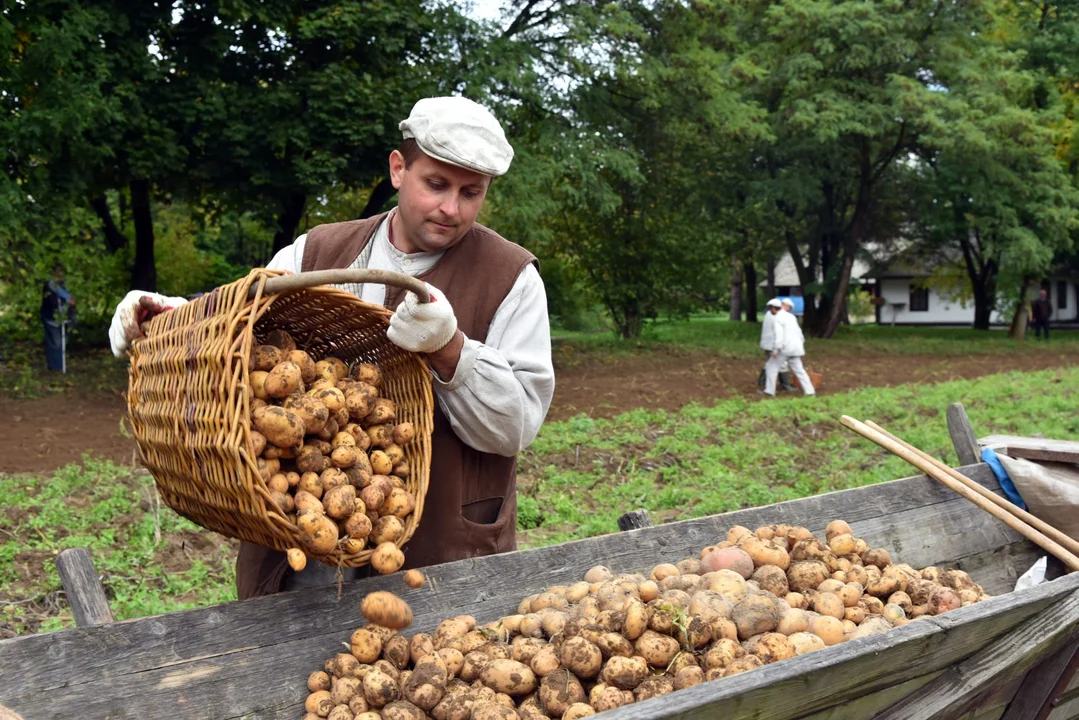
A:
867	705
1041	682
634	519
1033	448
966	447
953	693
82	586
1067	710
989	714
232	649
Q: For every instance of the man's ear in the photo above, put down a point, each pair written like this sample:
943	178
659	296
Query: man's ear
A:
397	169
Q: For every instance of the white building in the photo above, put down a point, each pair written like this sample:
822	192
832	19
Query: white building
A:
905	302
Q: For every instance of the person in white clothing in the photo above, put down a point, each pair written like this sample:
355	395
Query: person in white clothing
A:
767	338
492	393
788	347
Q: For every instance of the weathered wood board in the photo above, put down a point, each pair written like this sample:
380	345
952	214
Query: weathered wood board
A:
1033	448
251	659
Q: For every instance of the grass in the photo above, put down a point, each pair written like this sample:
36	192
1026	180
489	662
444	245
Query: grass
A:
739	339
23	373
581	474
151	560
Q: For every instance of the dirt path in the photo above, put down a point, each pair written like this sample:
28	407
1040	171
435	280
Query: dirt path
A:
43	434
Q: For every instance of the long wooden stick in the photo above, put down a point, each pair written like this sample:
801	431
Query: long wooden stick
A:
1045	528
1036	537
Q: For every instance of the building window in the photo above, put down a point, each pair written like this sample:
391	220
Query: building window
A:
919	299
1062	295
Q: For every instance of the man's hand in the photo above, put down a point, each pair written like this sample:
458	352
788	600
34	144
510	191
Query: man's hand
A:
136	308
423	327
775	353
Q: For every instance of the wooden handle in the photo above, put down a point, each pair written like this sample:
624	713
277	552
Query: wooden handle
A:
1048	530
1053	548
300	281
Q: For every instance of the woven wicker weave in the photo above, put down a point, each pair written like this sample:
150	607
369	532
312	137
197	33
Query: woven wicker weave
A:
189	402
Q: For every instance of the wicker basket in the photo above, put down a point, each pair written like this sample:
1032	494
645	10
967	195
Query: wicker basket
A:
189	402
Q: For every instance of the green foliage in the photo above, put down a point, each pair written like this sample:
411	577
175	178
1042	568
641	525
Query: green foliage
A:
739	453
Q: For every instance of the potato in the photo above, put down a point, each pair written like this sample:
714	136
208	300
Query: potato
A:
372	497
722	653
581	657
545	660
281	427
318	680
559	690
367	373
607	697
414	578
380	435
387	558
258	443
804	642
654	687
771	578
311	410
284	380
827	628
842	544
265	358
765	551
358	525
319	702
829	604
402	710
331	397
658	650
386	609
508	676
310	460
321	537
597	574
399	503
380	462
340	502
878	557
379	689
576	711
806	575
344	456
755	614
403	433
734	559
942	600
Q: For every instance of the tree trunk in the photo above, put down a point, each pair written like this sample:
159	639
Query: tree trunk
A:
751	292
382	192
144	271
628	319
736	292
114	239
1020	318
771	279
292	208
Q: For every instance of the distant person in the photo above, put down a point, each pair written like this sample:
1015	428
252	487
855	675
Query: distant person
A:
788	347
57	307
767	340
1040	311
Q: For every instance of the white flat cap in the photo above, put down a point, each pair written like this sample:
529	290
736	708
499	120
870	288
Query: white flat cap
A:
787	301
460	132
774	302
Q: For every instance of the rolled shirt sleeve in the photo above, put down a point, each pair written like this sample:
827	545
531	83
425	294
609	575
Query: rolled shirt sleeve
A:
498	397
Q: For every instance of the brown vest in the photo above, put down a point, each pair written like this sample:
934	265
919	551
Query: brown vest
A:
471	504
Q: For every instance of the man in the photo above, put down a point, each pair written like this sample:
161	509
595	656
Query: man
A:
57	307
767	338
788	347
485	335
1040	312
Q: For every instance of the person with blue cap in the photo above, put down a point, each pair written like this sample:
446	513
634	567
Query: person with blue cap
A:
485	334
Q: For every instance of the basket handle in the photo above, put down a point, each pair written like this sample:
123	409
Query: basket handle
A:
299	281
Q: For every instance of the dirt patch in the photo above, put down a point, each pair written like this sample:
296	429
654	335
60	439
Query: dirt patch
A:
43	434
671	381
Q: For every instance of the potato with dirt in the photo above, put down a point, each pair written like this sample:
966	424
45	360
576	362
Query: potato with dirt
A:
386	609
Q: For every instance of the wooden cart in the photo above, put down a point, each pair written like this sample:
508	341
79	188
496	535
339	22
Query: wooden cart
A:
1008	657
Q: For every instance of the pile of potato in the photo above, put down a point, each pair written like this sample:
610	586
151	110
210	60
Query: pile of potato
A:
331	452
572	651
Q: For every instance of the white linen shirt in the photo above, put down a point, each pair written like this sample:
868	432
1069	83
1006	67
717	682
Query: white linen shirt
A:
768	331
499	395
789	340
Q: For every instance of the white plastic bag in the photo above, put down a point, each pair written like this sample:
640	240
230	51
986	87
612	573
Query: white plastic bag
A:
1034	576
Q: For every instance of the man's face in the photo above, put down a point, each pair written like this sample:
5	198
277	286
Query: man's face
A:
437	202
788	307
774	309
1043	294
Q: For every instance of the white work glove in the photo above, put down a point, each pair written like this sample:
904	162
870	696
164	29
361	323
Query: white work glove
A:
423	327
137	307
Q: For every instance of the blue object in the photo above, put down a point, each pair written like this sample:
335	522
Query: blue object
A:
990	458
799	304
